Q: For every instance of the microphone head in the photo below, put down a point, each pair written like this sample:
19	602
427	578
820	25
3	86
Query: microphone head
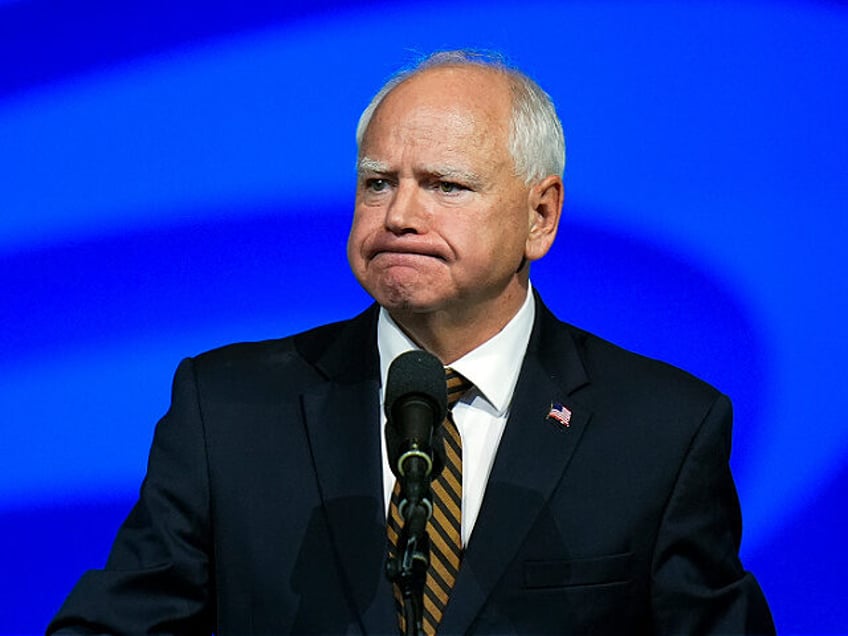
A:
416	403
417	373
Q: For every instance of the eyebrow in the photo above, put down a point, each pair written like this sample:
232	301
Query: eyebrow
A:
366	164
369	165
455	174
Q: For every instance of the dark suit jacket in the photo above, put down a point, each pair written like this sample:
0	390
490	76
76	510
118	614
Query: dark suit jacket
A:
262	509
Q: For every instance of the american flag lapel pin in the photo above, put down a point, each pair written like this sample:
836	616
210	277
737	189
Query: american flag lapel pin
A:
559	414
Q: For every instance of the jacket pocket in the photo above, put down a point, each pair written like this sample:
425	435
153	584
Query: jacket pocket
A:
578	572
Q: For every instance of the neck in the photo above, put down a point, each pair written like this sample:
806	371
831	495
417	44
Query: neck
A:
452	332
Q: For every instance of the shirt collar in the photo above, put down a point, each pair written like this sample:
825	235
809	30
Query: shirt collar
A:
493	367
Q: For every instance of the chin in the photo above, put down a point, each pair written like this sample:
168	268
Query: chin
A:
394	301
400	291
403	299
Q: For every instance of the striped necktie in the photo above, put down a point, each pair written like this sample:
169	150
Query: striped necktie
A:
445	526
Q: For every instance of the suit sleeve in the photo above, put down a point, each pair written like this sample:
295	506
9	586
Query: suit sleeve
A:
158	575
699	584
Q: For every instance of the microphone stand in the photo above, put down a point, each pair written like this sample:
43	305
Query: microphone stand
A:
408	568
411	564
416	401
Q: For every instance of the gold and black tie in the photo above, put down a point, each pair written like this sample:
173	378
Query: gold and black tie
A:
445	525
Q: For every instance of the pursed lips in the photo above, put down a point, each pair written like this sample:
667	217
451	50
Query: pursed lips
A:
386	260
401	251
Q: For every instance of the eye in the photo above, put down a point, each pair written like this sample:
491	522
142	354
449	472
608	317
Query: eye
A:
449	187
376	184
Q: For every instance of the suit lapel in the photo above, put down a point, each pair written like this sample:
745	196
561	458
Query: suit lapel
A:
342	422
531	459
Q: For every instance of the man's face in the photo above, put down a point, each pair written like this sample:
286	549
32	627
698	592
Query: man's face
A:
441	221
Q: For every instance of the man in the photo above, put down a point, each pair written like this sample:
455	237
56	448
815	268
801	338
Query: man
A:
596	490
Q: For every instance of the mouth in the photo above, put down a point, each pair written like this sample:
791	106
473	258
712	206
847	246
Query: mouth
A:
405	252
404	257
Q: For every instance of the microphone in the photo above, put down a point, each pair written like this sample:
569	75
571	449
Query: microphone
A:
416	404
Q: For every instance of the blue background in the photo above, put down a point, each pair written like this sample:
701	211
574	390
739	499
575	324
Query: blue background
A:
174	176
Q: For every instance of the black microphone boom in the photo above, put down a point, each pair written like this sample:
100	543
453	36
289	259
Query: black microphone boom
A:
416	403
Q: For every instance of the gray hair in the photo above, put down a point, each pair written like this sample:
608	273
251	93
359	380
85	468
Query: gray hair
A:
536	140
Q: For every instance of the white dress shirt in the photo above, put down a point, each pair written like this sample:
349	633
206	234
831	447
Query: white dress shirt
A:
481	414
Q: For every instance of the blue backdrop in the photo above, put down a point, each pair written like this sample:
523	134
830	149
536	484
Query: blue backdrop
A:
174	176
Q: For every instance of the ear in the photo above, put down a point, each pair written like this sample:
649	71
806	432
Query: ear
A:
545	207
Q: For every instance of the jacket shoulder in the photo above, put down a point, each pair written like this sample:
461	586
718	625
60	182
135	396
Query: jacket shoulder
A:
299	356
620	382
609	362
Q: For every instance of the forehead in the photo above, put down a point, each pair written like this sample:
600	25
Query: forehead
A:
445	107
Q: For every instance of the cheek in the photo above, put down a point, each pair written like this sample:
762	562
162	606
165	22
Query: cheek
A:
494	232
496	249
361	225
364	228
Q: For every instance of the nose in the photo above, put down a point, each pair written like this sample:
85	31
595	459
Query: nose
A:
406	213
